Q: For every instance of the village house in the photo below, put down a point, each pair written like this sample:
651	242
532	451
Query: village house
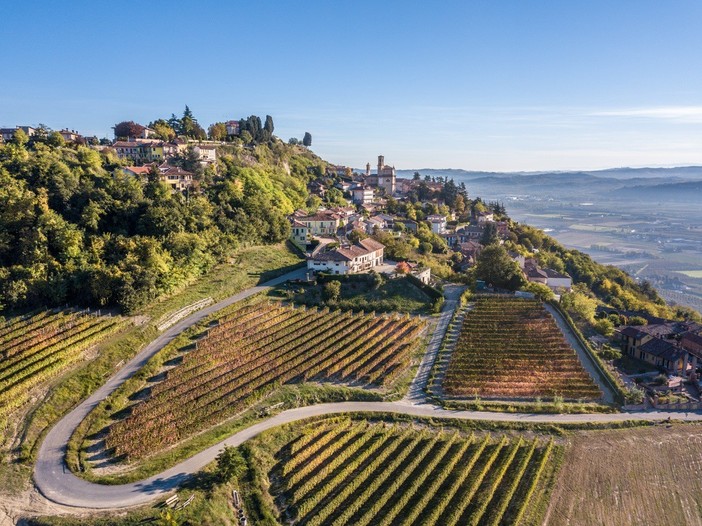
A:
362	194
232	128
9	133
671	345
174	176
299	234
485	217
206	153
70	135
323	223
349	259
409	224
137	171
556	281
437	223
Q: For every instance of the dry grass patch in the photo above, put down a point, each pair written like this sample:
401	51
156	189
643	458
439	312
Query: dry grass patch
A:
635	476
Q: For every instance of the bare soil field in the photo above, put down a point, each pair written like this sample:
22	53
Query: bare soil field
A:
639	476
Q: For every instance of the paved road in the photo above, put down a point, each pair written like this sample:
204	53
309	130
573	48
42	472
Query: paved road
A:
56	482
607	393
416	392
51	475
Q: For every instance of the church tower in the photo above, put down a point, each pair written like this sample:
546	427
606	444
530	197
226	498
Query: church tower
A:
367	169
386	176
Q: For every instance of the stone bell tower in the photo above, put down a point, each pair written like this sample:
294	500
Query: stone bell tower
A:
386	176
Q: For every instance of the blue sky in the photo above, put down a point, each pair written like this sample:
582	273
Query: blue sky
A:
479	85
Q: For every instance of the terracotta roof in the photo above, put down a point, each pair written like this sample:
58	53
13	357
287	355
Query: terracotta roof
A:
371	244
321	216
139	170
662	349
351	252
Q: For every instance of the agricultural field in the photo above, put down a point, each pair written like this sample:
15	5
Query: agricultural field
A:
361	473
250	353
512	348
631	476
39	347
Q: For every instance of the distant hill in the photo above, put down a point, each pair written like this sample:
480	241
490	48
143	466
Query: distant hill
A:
681	172
689	191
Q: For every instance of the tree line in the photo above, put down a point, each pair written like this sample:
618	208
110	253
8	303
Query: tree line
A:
75	229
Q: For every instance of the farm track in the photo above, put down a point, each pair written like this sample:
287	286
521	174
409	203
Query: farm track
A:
58	484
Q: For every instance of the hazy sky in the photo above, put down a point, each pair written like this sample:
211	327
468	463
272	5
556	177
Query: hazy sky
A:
479	85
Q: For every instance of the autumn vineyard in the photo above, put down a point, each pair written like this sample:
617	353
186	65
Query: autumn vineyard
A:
38	347
364	473
252	351
512	348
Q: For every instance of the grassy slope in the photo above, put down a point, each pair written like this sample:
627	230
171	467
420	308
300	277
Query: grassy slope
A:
395	295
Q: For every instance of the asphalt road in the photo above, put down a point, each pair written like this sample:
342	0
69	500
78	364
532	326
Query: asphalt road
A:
51	476
56	482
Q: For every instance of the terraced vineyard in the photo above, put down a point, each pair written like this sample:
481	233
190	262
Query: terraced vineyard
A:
512	348
36	348
362	474
255	349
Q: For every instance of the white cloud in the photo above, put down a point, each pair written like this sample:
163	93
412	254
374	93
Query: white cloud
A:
686	114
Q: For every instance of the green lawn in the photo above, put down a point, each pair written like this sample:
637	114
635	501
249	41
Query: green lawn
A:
246	268
394	295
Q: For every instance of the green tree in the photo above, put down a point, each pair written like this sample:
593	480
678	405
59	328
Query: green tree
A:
307	139
356	235
332	291
162	130
637	320
268	126
230	464
217	131
604	326
539	290
494	266
489	236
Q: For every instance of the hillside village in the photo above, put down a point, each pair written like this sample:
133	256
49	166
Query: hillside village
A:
371	221
360	233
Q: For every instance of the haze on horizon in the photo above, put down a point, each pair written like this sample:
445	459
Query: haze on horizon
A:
509	86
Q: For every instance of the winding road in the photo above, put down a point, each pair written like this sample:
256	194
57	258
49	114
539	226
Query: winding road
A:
57	483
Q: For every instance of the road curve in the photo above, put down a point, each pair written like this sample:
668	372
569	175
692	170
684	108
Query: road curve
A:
57	483
50	470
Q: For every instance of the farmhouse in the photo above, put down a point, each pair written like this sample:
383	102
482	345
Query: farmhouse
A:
322	223
350	259
174	176
673	346
551	278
